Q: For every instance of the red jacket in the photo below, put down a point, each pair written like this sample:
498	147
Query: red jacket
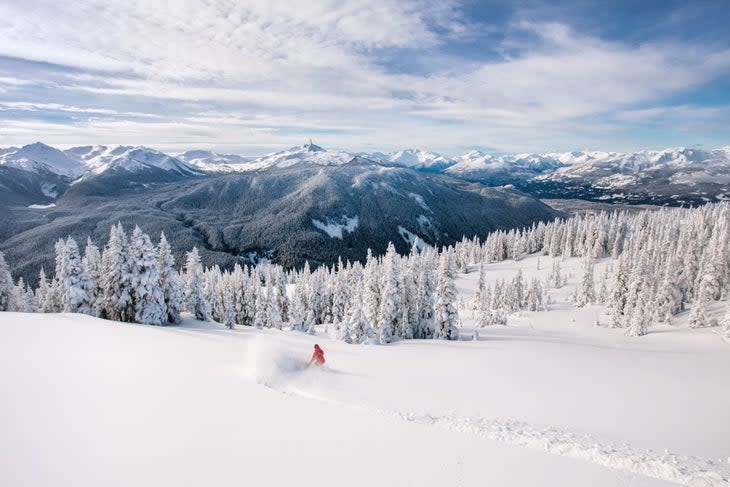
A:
317	356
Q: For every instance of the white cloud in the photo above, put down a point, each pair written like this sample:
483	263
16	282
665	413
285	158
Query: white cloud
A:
207	39
261	72
569	76
58	107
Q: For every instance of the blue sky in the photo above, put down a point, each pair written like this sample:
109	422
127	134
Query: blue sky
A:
256	76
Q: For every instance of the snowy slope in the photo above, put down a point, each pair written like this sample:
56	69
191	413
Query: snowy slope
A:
549	399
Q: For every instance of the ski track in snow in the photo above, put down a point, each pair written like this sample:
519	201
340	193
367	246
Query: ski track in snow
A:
680	469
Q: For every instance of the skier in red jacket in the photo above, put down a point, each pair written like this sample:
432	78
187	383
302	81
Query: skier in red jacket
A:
317	356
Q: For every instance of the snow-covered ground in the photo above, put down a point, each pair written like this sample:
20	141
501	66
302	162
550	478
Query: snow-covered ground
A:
550	399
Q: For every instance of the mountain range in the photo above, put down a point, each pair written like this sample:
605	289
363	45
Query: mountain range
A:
307	203
678	176
302	204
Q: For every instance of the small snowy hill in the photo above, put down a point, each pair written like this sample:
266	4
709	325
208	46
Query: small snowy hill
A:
549	399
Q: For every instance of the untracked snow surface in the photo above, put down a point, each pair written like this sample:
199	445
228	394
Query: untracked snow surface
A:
549	400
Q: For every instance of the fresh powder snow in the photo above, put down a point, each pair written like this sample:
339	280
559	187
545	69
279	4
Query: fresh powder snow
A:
549	399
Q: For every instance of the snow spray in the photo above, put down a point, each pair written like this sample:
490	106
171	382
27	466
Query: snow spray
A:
267	362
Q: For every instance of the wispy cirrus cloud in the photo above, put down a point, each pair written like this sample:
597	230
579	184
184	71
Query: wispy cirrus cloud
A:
385	74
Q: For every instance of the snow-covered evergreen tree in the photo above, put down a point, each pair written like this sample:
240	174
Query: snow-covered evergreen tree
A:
340	294
147	296
481	287
616	299
698	316
356	321
247	298
91	262
273	311
535	298
115	300
518	291
260	319
605	283
669	296
371	295
229	313
170	284
297	311
425	293
637	324
586	291
281	298
391	298
409	285
16	301
194	292
44	293
74	282
30	304
483	315
446	316
555	278
6	285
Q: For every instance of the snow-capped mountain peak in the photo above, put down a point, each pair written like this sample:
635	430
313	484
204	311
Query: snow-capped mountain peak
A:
312	147
308	153
99	159
210	161
418	159
41	157
674	175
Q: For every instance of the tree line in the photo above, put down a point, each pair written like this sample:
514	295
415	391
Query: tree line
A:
660	263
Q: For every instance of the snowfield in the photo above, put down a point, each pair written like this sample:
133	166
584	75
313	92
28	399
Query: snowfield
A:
549	399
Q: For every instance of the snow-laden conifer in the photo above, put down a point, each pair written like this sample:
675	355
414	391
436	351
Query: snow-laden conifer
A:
194	292
356	323
391	298
6	285
44	293
147	296
74	282
115	299
170	283
586	291
446	316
